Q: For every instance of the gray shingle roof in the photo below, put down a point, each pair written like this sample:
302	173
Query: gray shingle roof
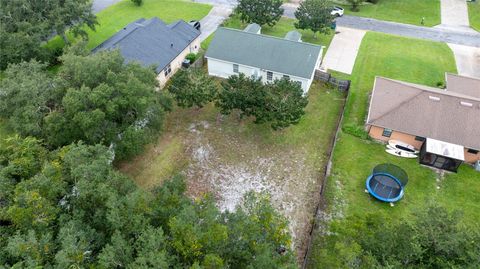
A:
150	41
423	111
266	52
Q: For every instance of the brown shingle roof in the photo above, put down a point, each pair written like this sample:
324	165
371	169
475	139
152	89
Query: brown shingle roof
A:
424	111
465	85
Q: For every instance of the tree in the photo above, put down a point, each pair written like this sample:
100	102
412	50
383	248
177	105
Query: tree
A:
285	103
25	24
76	211
355	4
280	103
433	238
94	98
241	93
314	15
193	87
260	11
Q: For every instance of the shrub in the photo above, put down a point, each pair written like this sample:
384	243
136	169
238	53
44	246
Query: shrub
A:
355	130
191	57
355	4
137	2
373	1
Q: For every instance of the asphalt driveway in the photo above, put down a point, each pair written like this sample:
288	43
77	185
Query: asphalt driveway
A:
99	5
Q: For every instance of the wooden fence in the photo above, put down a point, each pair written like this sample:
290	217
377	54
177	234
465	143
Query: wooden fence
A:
341	84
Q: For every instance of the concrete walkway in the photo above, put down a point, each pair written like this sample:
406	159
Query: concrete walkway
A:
467	60
343	50
215	17
454	12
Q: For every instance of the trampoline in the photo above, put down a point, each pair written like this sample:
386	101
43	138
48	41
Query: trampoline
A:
386	182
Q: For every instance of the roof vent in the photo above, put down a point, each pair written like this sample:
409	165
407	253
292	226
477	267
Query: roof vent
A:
466	104
434	98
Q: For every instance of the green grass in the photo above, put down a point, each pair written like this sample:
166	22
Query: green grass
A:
474	15
403	11
280	29
114	18
406	59
354	158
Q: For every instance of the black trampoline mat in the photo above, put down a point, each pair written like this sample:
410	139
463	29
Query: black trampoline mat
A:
385	186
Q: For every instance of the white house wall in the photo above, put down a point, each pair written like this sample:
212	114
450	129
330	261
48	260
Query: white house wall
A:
176	64
224	69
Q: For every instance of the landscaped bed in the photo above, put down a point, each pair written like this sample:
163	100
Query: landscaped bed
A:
403	11
348	204
227	157
114	18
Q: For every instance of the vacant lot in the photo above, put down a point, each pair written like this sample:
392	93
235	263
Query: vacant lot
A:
114	18
474	15
404	11
354	158
228	157
280	29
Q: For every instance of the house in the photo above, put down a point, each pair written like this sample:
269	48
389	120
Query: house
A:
444	124
154	43
249	52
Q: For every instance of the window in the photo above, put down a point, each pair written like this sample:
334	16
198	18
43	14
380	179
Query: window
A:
235	68
387	132
167	70
472	151
419	138
286	77
269	75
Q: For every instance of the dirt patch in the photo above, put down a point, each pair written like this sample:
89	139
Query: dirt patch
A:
231	166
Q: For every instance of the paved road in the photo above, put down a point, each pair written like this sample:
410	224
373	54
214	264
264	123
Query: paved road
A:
441	34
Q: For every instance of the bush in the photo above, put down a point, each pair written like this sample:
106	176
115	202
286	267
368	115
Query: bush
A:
355	4
137	2
355	130
373	1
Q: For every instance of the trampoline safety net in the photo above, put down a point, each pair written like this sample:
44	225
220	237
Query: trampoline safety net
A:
393	170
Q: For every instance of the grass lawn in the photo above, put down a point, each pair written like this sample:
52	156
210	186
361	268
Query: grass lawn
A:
403	11
114	18
406	59
354	158
227	157
474	15
280	29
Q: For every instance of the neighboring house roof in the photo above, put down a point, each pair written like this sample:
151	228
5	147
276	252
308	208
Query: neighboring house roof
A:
424	111
266	52
294	36
151	42
253	28
464	85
